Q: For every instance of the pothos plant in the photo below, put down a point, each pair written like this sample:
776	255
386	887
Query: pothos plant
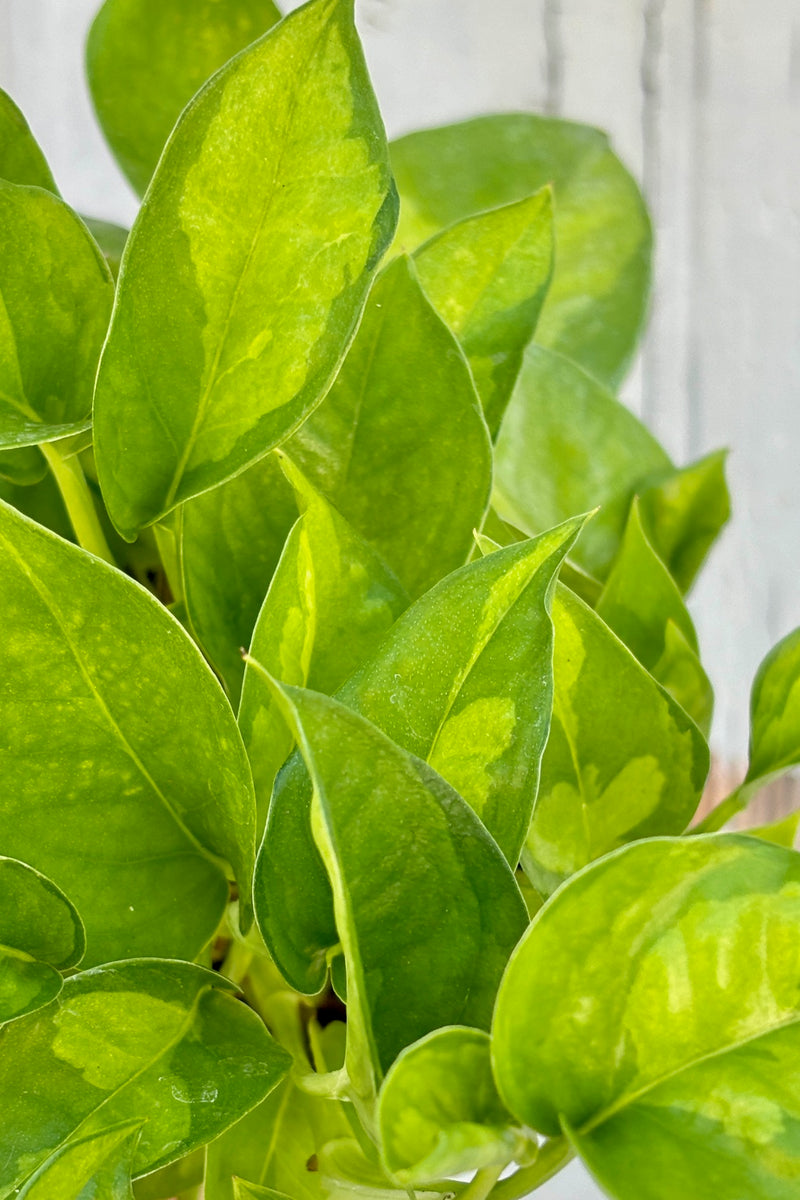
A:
402	899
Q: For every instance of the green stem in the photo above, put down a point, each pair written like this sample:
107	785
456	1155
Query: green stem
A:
78	500
552	1157
237	963
724	811
482	1184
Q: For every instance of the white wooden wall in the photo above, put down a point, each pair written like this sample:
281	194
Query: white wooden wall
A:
702	99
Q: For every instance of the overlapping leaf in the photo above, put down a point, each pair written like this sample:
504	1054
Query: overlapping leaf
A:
567	446
21	159
642	604
400	445
230	541
97	1167
399	846
439	1112
479	714
162	1043
55	301
219	346
595	306
623	760
147	58
652	1012
488	277
329	605
124	777
41	934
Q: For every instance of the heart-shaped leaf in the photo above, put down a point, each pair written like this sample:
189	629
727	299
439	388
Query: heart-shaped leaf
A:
597	299
124	777
488	277
219	347
163	1043
145	60
652	1011
400	445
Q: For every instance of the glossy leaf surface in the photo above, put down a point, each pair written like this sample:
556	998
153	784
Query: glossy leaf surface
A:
642	604
219	347
439	1112
147	58
488	277
55	301
125	779
399	844
330	603
566	446
21	159
684	514
97	1167
399	444
623	760
479	714
40	934
230	541
652	1010
161	1042
596	302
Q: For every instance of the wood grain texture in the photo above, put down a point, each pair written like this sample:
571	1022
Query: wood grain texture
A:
702	99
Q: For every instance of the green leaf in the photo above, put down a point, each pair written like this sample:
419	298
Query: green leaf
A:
97	1167
652	1011
21	159
774	728
782	832
400	445
488	277
55	300
566	446
479	713
642	604
125	779
161	1042
111	239
439	1112
145	60
230	540
22	467
173	1180
279	161
329	605
684	514
41	934
623	760
596	303
242	1190
427	908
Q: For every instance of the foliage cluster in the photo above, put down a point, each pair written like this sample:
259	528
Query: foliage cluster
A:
406	893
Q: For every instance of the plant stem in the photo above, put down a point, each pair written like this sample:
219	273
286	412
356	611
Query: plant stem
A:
553	1156
78	501
482	1184
724	811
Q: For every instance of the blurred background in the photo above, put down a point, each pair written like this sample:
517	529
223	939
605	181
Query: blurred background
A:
702	101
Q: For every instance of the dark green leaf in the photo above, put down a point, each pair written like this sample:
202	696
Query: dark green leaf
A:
565	446
329	605
623	760
479	713
21	160
596	303
427	908
22	467
147	58
653	1012
97	1167
230	541
55	301
400	445
125	779
219	346
439	1112
684	514
488	277
155	1041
